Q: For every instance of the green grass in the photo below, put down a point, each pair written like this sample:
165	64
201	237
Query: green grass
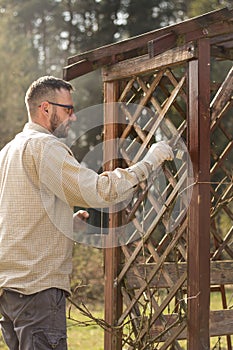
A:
2	345
82	335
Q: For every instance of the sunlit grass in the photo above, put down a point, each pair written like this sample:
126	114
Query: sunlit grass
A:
2	345
83	334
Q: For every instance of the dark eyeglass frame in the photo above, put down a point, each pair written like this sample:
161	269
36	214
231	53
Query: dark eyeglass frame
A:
69	107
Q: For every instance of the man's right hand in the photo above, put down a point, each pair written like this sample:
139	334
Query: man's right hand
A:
158	153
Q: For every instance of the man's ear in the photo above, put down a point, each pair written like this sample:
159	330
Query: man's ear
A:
44	107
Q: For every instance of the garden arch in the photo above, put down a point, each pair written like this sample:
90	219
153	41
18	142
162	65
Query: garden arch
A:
158	289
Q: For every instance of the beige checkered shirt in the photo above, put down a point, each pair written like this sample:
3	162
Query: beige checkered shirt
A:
40	183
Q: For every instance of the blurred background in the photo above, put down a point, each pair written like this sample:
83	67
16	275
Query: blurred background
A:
37	36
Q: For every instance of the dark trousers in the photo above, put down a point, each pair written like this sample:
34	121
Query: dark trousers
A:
34	322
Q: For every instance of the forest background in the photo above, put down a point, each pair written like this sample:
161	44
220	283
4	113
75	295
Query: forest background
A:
37	37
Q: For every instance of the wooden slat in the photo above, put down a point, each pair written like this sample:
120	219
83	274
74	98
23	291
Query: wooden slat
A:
163	112
221	273
173	80
221	39
221	98
144	100
152	227
218	163
221	323
223	244
126	90
174	336
135	312
223	51
144	64
165	302
151	276
78	69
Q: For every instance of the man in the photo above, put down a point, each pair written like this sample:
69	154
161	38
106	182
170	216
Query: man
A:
40	183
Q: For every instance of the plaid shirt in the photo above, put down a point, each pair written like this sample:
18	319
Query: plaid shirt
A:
40	183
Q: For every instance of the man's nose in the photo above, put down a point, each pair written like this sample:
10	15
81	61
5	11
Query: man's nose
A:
73	117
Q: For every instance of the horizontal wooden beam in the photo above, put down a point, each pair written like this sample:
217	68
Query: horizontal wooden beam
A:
221	273
212	24
144	64
78	69
221	323
221	39
89	64
222	52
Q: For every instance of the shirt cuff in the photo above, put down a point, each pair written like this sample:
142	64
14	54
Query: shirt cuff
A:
141	169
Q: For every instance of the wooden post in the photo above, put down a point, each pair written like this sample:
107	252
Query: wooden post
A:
113	298
199	211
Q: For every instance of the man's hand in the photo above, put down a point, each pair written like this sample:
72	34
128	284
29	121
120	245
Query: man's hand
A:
79	220
158	153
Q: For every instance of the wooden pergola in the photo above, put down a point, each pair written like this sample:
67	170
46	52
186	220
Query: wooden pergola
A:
158	288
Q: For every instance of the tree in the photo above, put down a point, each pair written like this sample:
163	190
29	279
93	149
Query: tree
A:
17	66
198	7
144	15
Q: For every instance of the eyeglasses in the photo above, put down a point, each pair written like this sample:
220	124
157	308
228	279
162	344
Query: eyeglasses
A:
70	108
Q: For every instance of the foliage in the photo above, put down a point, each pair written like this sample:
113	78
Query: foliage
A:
155	14
17	66
87	279
197	7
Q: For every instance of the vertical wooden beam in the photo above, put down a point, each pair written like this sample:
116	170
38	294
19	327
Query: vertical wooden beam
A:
199	211
113	298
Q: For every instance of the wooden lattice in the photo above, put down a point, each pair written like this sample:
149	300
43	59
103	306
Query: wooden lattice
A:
153	275
222	183
152	283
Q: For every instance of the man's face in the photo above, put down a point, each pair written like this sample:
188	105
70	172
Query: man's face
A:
62	114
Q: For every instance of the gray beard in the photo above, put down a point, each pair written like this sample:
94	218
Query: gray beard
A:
58	130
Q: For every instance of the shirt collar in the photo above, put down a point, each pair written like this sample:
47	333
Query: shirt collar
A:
35	127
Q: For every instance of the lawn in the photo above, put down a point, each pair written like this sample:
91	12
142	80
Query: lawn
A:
82	334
